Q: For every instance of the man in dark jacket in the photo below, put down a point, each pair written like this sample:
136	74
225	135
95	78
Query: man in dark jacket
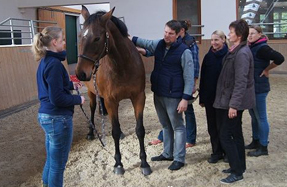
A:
172	84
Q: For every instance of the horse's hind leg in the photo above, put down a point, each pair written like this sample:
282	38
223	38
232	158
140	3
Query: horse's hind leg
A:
93	105
138	103
112	108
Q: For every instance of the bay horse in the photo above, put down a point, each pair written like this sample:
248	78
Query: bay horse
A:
119	76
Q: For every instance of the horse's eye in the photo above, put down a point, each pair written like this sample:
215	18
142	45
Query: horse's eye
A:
96	39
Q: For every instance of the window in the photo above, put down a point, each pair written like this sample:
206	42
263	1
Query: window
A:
270	14
189	10
6	37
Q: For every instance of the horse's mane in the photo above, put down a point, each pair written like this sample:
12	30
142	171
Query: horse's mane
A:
120	24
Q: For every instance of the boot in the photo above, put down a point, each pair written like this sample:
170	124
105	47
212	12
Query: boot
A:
262	150
253	145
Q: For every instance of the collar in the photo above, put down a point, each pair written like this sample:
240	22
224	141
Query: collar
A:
60	55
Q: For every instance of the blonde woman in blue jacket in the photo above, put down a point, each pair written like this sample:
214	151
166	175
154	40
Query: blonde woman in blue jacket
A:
56	110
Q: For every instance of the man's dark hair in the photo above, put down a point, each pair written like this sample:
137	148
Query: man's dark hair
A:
174	25
241	28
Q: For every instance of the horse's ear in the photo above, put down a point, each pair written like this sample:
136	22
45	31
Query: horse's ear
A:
108	15
85	12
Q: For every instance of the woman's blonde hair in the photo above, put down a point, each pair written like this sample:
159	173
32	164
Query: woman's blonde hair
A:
222	36
43	39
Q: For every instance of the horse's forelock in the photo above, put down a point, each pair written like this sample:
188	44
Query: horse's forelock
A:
120	24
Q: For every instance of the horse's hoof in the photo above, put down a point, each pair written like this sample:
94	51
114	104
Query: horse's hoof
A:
146	171
122	136
90	137
119	170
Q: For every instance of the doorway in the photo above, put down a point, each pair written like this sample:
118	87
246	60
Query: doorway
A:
71	39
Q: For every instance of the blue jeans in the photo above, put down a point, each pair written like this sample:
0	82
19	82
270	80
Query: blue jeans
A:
260	125
190	126
59	134
174	132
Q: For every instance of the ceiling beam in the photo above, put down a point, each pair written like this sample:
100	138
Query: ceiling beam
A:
43	3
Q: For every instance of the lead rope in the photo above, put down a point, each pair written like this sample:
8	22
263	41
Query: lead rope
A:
100	109
90	122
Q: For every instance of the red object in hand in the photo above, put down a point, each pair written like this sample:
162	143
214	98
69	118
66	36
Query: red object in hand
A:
74	78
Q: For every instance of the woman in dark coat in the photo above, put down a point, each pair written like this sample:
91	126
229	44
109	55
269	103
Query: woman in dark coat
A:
235	93
210	70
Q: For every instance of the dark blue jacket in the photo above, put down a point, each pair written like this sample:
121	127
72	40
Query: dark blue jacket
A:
210	70
54	86
167	76
191	44
262	84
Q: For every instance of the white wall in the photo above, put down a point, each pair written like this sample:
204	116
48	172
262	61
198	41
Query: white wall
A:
92	9
145	19
9	8
38	3
217	15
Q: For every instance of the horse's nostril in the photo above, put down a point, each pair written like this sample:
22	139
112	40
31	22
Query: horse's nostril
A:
81	76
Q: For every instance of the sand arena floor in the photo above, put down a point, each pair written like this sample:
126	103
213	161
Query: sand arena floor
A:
23	153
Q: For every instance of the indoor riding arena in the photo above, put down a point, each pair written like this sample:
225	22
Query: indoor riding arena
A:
22	140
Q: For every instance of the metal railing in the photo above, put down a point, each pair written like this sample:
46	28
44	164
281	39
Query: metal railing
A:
273	26
195	34
25	27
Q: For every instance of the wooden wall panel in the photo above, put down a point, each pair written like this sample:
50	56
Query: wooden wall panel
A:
55	16
50	15
280	47
18	76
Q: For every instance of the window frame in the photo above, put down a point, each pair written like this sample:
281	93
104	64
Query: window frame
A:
174	15
279	40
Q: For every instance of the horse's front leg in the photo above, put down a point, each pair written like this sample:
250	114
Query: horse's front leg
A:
112	108
93	106
138	103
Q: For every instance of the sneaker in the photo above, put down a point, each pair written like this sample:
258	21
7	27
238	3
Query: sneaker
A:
231	179
155	142
262	150
161	158
176	165
253	145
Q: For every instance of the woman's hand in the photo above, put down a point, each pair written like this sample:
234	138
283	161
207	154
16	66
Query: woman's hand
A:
265	73
77	85
232	113
82	100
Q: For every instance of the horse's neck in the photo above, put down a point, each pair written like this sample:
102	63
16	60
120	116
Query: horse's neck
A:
119	49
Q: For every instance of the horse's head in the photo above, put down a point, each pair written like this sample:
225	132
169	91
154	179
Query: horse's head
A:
93	42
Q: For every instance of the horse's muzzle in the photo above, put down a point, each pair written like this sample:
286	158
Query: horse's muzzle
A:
82	76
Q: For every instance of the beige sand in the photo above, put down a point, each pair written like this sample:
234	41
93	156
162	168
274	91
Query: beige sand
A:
23	153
